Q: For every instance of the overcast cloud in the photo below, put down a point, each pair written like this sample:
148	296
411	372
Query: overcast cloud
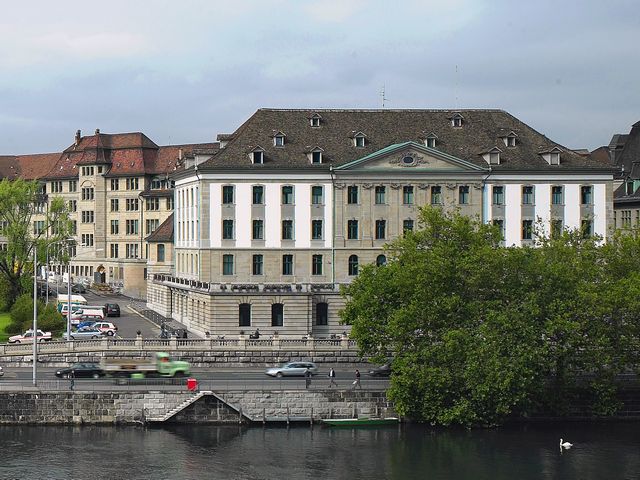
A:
184	71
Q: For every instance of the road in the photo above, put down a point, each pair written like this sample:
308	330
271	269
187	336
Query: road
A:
209	379
128	323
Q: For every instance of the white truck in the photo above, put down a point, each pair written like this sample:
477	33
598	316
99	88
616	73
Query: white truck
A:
160	365
27	337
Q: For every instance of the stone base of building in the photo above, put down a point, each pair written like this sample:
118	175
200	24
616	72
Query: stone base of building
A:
233	309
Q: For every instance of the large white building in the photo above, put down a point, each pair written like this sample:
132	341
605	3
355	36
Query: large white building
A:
268	228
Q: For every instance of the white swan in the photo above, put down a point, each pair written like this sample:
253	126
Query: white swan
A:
566	445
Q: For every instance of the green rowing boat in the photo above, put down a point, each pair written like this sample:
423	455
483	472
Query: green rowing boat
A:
360	422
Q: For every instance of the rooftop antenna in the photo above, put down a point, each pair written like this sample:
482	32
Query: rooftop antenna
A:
382	96
455	90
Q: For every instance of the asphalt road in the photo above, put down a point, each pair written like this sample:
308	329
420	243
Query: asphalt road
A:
128	323
20	378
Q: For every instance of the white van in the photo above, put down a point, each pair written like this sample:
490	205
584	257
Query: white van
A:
92	311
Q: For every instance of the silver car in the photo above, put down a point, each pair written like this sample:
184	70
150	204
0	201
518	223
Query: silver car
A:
85	333
293	369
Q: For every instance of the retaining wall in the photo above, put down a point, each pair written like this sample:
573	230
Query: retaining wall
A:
136	407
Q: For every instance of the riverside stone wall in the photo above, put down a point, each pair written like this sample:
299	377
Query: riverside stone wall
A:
231	407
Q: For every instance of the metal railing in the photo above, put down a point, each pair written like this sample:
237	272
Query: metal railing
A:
318	383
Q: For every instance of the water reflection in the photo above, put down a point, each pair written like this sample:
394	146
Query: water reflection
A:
601	451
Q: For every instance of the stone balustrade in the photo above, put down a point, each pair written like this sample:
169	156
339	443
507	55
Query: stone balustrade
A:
106	345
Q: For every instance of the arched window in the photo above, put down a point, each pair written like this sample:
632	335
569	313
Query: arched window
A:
244	315
322	314
353	265
277	315
381	260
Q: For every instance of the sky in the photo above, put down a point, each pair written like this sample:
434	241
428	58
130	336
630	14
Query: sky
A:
184	71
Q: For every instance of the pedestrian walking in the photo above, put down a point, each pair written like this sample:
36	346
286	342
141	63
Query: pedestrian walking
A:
72	380
307	378
356	382
332	378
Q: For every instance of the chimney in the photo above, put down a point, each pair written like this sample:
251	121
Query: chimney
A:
78	137
97	131
180	154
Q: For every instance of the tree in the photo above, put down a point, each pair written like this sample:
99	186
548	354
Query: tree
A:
21	204
479	331
50	319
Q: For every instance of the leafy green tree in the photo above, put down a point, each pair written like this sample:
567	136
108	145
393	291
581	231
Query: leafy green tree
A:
479	331
21	203
22	312
49	319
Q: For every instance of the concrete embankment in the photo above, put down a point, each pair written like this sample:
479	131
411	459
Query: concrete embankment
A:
187	407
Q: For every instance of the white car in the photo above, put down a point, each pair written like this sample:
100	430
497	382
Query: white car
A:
292	369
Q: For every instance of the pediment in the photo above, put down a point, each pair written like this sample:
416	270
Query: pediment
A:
411	156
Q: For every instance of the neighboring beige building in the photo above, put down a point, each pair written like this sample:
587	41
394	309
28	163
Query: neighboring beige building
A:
296	201
119	191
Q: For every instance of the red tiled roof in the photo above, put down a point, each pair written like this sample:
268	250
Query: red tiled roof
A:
28	167
125	154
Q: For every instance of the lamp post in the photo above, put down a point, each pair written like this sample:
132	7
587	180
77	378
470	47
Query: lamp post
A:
34	336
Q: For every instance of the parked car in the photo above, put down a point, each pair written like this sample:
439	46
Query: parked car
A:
1	372
88	323
292	369
78	288
381	371
107	328
28	337
112	309
81	370
85	317
84	334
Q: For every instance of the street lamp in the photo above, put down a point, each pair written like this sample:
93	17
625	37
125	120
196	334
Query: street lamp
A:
34	336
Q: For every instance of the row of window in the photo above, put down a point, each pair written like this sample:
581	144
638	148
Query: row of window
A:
257	264
133	204
131	226
132	251
277	314
380	195
557	227
317	229
557	195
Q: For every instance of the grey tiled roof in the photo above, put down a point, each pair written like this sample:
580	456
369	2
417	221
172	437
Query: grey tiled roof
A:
164	232
481	130
631	153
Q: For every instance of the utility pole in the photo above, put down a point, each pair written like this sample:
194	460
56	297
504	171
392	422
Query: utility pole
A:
34	336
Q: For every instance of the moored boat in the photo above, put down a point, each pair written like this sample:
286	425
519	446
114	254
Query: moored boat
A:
360	422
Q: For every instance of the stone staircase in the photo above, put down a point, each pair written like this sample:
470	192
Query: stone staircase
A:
179	408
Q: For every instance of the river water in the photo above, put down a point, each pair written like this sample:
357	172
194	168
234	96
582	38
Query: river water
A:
607	451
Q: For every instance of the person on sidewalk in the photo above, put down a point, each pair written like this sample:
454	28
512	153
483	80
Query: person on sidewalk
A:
332	377
72	380
307	378
356	382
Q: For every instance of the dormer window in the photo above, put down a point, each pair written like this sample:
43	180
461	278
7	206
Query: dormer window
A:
457	120
510	140
552	156
492	157
630	188
430	140
316	156
359	139
278	139
257	156
315	120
